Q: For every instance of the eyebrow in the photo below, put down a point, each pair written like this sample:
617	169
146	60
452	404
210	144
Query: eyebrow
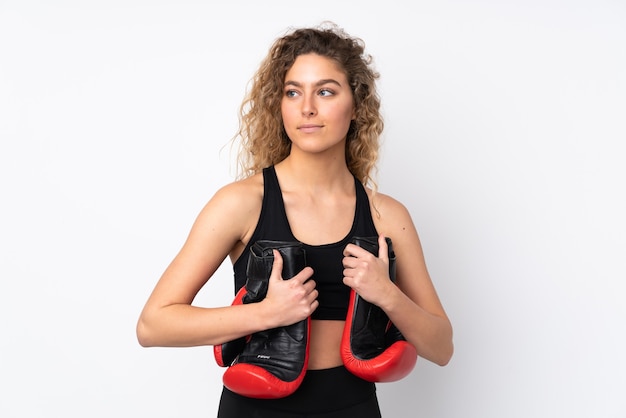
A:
317	84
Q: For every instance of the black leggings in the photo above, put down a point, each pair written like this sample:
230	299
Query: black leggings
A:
329	393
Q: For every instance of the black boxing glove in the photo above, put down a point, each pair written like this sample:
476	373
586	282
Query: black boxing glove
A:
254	290
273	362
372	348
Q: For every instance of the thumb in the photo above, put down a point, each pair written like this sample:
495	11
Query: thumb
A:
383	249
277	266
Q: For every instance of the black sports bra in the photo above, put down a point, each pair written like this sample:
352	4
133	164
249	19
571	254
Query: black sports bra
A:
325	260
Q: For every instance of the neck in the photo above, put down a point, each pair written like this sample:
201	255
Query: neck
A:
315	172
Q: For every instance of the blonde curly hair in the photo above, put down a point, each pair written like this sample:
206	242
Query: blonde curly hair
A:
262	137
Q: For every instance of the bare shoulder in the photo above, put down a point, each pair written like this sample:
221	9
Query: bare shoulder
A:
235	207
241	194
390	215
393	219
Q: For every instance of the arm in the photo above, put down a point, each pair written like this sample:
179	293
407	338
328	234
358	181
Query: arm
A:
223	227
412	304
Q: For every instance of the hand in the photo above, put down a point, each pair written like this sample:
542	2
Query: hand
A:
367	274
292	300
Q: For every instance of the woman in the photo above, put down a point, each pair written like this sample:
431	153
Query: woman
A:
309	142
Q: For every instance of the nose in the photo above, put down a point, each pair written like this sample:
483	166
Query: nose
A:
308	105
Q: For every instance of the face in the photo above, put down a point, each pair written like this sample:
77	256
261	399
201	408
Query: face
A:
317	105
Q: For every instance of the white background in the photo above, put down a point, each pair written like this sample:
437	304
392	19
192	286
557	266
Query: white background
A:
504	138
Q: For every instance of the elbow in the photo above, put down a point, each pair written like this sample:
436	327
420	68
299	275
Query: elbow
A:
446	356
143	334
447	351
443	351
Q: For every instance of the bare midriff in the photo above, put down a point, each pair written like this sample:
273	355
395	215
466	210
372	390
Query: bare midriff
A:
325	344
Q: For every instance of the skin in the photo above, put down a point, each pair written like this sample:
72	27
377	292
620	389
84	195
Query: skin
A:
319	195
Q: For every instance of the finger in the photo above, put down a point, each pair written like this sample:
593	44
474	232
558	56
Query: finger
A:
346	250
314	305
277	266
350	262
309	285
304	275
352	250
383	248
312	295
348	281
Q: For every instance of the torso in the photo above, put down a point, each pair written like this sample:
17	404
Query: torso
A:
315	223
324	348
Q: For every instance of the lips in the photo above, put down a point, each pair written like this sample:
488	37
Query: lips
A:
308	127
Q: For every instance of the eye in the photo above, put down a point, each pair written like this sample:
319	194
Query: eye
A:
290	93
326	92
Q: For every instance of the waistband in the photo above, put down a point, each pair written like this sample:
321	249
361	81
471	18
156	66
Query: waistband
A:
321	391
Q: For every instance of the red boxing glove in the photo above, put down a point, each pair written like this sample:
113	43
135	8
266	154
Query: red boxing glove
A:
272	363
372	348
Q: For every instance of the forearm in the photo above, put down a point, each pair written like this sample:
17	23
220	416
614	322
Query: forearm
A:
430	334
182	325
